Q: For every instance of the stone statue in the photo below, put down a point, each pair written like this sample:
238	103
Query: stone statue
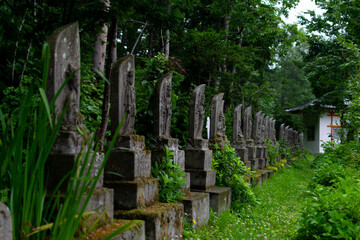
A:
217	122
65	65
266	125
5	223
163	107
257	127
301	138
237	132
247	124
282	132
123	95
197	113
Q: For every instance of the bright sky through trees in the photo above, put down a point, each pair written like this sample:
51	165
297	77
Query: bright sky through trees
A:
302	7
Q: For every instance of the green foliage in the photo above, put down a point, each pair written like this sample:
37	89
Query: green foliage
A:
275	217
171	178
231	172
284	150
273	153
332	212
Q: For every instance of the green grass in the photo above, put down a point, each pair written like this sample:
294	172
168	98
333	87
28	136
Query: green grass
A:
275	217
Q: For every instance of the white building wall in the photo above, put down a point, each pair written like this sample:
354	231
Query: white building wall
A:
325	131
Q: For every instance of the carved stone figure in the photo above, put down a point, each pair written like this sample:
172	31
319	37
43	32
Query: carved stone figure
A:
163	107
197	113
273	132
217	122
123	95
237	131
266	125
301	138
257	127
287	134
64	64
247	124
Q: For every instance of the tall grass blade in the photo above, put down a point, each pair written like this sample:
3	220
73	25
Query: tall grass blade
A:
46	105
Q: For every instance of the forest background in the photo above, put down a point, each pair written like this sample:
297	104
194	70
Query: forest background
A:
241	48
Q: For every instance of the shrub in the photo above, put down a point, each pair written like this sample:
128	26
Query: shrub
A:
171	178
231	172
332	212
273	153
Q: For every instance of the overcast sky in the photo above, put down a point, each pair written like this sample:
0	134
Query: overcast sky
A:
303	6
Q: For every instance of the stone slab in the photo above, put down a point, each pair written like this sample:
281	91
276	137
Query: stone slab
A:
186	189
197	144
102	202
259	152
159	144
5	223
251	152
135	231
59	165
242	153
202	179
134	194
198	159
162	220
130	142
179	157
128	165
254	164
197	207
261	163
220	198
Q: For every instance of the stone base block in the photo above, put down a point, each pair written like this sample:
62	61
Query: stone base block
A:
198	159
102	201
179	157
251	152
220	142
202	179
134	194
247	164
159	144
162	220
259	152
242	153
131	142
261	163
196	207
59	165
197	144
186	189
254	164
134	230
220	199
128	165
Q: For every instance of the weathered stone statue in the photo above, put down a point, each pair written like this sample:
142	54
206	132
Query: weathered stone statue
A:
301	138
65	66
163	108
123	95
247	125
282	132
217	120
257	128
266	125
5	223
196	119
287	134
238	136
273	132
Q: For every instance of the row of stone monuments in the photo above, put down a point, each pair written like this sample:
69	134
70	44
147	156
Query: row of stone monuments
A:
130	191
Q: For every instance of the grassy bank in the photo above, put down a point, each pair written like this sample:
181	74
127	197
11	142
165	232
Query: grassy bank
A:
274	217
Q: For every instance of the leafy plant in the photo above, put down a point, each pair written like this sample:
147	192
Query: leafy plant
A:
231	172
171	178
332	212
273	153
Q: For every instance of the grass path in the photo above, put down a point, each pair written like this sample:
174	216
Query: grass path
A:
275	217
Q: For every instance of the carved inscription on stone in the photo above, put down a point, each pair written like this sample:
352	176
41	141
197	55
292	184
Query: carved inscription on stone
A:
163	108
123	95
217	122
197	113
247	123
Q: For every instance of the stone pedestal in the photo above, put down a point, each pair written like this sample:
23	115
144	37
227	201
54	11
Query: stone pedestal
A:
196	206
162	220
135	231
128	172
220	198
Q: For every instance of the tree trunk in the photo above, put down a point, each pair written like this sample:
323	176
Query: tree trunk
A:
100	135
100	47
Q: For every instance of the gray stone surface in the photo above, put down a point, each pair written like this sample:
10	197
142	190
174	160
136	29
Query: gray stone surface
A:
134	194
131	165
162	220
136	231
202	179
217	120
163	108
65	63
247	123
123	95
102	201
282	132
198	159
301	140
5	223
196	208
238	136
197	113
220	199
179	157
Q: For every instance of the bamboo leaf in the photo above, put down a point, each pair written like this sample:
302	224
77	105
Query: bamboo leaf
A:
46	104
